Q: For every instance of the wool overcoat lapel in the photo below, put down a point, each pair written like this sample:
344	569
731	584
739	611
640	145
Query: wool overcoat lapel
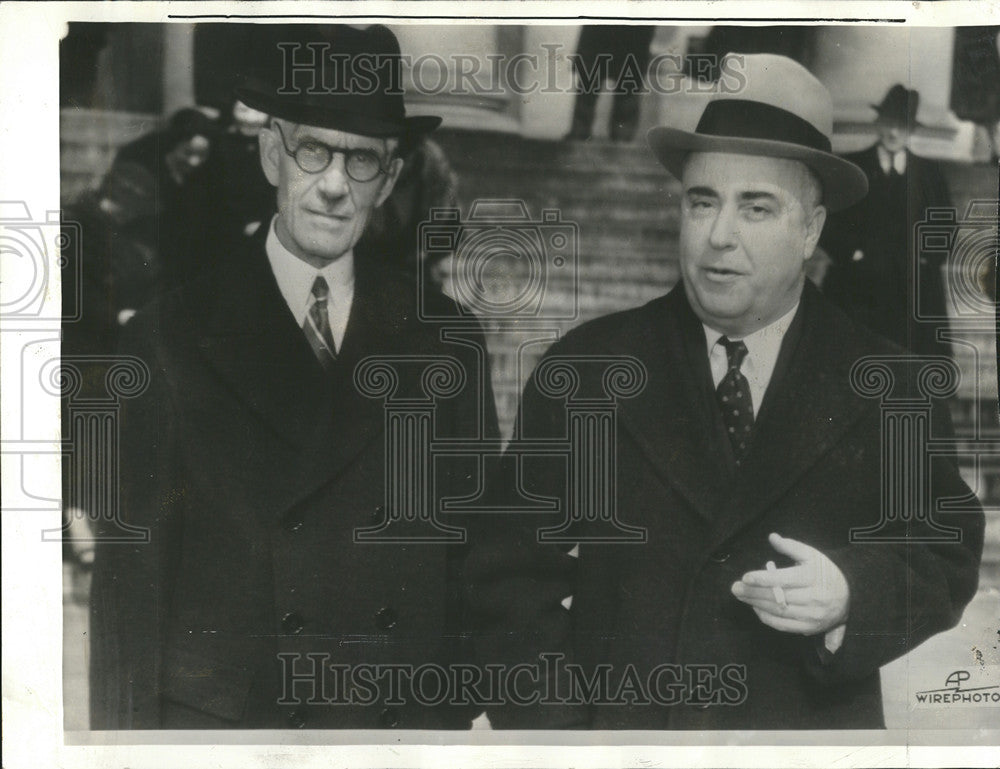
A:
672	418
809	405
251	340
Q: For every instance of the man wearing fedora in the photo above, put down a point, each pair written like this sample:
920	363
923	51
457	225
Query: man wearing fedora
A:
878	267
253	457
747	458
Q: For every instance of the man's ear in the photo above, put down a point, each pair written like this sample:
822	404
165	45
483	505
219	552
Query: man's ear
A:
391	176
814	228
270	153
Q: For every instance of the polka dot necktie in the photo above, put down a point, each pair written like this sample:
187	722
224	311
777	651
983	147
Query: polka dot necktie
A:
733	394
317	325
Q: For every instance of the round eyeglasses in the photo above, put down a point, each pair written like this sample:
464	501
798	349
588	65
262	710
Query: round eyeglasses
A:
313	157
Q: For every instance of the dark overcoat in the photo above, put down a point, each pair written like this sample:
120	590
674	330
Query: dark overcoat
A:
812	473
251	468
881	273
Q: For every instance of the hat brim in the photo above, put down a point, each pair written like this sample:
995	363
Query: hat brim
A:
316	113
843	182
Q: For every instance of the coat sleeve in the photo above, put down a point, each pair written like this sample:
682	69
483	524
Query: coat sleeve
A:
518	585
902	594
130	590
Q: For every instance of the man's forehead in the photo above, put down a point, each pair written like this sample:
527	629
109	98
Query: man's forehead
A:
739	171
332	136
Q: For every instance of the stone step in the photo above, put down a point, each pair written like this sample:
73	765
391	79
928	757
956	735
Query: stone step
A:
585	182
475	148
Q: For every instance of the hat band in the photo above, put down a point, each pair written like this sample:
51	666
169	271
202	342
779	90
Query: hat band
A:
742	119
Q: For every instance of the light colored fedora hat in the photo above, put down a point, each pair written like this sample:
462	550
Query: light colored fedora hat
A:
782	111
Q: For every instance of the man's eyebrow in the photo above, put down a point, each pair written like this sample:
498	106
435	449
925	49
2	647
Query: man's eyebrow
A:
702	191
305	136
758	195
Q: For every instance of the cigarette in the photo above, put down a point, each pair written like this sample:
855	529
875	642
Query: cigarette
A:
779	593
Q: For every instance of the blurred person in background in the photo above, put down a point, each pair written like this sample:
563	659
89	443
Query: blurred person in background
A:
249	199
619	53
872	246
184	226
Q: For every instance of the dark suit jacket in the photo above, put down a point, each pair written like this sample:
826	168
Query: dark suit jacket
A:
812	473
872	249
251	468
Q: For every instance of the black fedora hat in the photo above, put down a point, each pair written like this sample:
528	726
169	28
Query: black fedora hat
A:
334	76
783	111
899	106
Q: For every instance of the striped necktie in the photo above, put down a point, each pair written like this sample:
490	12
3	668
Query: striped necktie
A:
317	324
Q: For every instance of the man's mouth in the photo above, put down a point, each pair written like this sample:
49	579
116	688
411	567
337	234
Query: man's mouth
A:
721	273
330	215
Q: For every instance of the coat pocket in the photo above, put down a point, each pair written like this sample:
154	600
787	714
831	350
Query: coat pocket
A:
218	688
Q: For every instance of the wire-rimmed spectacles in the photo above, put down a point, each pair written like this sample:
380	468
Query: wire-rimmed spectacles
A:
313	157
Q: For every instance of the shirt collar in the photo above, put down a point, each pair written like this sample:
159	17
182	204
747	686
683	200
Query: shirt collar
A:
888	160
295	278
763	345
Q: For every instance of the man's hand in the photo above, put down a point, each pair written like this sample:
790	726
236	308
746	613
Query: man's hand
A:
809	598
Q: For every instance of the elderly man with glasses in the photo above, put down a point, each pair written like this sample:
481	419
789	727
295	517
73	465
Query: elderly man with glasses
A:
253	460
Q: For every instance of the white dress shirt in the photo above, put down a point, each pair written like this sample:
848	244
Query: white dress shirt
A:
889	160
295	280
762	346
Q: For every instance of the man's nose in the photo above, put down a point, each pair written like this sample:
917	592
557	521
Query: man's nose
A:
722	236
333	180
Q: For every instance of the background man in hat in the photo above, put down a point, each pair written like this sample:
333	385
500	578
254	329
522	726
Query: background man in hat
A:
747	449
872	246
253	457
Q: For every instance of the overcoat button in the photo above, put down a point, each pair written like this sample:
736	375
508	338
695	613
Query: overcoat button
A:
389	718
292	623
296	719
293	523
721	556
385	618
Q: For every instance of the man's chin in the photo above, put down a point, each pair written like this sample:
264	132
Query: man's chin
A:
719	311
